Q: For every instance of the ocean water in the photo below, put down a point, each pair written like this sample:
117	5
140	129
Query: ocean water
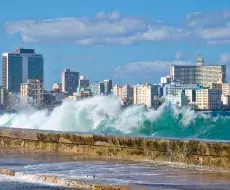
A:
104	114
138	175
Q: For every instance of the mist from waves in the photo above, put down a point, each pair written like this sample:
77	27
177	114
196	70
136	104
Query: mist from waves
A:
104	114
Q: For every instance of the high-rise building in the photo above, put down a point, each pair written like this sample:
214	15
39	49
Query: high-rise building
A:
57	87
32	92
144	94
199	73
108	86
83	82
208	99
20	66
70	81
97	88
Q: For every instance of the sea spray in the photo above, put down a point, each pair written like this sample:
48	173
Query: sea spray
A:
104	114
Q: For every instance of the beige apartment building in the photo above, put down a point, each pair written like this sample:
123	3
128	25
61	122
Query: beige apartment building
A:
215	86
32	92
124	92
208	99
144	94
226	89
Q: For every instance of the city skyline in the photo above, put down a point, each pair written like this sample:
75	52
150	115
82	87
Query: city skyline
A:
104	41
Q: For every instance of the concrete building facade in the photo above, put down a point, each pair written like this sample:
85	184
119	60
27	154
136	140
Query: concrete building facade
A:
144	94
124	92
199	73
31	92
97	88
208	99
226	89
176	87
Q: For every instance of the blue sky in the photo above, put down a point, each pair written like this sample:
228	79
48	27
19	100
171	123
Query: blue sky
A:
128	41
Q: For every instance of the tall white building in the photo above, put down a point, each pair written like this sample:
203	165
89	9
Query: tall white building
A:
199	73
19	66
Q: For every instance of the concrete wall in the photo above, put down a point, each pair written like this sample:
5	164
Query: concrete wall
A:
213	154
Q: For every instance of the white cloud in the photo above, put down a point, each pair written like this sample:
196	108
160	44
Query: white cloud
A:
147	69
178	55
213	27
102	29
225	58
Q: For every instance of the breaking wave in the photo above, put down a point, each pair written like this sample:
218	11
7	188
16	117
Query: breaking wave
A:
104	114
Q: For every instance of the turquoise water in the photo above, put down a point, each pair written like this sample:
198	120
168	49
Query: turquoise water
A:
105	115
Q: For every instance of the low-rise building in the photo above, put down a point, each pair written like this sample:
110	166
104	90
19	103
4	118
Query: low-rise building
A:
191	96
165	80
215	86
225	101
83	82
226	89
57	87
31	92
125	93
97	88
208	99
177	99
176	88
144	94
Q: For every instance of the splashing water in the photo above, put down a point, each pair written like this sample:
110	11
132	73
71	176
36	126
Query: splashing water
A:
104	114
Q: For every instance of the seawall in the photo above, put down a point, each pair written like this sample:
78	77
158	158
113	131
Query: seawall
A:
211	154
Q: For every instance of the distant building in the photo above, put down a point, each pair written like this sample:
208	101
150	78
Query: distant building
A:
97	88
125	93
177	99
176	87
225	101
191	96
165	80
208	99
199	73
20	66
144	94
215	86
57	87
108	86
83	82
226	89
32	92
70	80
3	98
